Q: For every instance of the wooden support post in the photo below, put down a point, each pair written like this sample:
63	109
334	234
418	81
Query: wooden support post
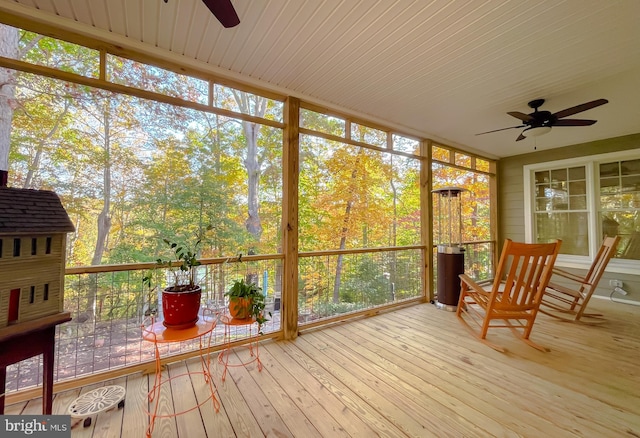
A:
426	218
290	169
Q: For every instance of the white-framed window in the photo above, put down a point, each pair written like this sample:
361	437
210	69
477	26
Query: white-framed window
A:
581	200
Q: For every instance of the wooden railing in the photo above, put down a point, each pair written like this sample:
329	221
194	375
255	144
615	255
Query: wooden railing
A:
109	303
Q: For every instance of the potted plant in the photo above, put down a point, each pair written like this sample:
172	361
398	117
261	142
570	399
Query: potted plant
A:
181	300
246	301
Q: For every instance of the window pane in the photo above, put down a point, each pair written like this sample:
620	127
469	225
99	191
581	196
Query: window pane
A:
365	134
626	224
171	170
441	154
620	205
354	197
58	54
572	228
578	188
577	173
577	203
483	165
246	103
609	186
542	190
609	169
630	167
542	177
462	159
630	183
475	202
559	175
147	77
322	122
404	144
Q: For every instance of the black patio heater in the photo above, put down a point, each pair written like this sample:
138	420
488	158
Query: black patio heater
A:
450	257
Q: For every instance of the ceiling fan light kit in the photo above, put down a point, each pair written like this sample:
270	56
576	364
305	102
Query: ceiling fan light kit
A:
540	122
536	131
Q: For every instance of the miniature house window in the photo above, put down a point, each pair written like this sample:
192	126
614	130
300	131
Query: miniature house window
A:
34	246
48	246
32	295
16	247
46	292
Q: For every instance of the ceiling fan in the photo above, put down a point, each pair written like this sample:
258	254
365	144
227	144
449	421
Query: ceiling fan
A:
541	122
223	11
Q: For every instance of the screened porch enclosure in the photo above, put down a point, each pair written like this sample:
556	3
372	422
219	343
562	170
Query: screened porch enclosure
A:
329	214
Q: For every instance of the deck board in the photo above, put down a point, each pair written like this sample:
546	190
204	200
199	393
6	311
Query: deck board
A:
107	426
412	372
467	388
349	421
134	416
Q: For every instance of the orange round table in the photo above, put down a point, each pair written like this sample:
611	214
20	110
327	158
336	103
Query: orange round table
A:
157	333
233	324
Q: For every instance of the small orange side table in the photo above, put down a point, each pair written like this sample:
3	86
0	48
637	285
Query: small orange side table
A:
230	324
159	334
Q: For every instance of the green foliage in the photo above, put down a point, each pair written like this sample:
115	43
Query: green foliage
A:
366	284
183	264
241	289
328	308
252	292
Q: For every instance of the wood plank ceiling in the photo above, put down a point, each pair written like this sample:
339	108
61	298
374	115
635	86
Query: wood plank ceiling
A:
442	69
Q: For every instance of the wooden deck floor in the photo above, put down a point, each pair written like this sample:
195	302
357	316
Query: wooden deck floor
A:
412	372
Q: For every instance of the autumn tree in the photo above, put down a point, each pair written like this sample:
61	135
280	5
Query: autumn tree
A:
10	48
256	106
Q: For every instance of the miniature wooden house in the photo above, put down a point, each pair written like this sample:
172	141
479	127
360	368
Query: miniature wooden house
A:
33	234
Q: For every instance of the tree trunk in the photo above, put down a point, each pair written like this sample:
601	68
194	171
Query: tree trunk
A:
8	49
9	37
251	163
104	218
345	230
394	239
35	165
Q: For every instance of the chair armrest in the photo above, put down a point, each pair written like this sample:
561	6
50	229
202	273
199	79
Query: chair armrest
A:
487	282
570	276
473	285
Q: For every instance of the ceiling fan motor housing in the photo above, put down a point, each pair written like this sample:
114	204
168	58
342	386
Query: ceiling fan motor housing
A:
540	118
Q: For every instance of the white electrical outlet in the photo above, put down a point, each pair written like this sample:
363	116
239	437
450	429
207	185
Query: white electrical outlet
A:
616	283
620	291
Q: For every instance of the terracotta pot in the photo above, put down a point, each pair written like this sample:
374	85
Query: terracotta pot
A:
239	308
180	309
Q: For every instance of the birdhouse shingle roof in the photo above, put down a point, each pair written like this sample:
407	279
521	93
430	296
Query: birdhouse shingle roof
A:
32	211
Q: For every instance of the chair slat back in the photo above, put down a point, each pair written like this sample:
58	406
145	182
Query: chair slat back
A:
526	269
600	262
